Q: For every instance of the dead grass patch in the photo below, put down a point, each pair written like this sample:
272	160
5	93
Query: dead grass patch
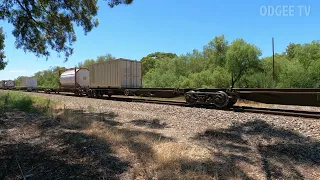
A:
153	155
96	145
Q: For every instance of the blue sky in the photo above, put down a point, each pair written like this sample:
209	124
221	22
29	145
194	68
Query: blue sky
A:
177	26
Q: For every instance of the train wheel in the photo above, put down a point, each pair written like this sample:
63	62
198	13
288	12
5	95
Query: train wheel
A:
89	94
76	92
221	99
126	92
94	94
190	99
81	93
99	94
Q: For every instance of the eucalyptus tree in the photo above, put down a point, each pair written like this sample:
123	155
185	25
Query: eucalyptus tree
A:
241	57
41	25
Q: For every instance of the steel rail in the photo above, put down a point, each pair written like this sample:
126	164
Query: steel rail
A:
274	111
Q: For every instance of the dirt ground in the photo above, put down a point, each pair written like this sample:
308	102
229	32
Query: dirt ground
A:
76	144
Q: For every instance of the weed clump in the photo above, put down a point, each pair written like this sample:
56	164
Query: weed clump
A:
19	101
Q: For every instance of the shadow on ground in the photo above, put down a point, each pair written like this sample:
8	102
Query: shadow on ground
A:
39	148
74	144
79	119
74	162
278	151
52	148
153	124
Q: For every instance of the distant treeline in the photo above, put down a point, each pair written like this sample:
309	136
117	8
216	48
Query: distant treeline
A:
220	65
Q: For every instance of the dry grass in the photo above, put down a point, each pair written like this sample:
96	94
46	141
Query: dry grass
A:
226	154
90	143
98	141
151	155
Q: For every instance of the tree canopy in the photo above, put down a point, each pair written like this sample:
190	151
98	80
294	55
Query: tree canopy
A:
2	56
148	62
241	56
221	65
213	67
99	59
49	24
218	64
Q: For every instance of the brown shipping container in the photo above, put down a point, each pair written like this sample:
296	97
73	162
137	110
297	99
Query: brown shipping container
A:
120	73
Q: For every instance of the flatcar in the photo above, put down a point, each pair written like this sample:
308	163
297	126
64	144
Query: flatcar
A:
124	77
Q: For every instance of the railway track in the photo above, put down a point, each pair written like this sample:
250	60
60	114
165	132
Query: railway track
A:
282	112
273	111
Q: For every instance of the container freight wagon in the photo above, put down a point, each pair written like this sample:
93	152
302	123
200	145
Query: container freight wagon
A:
74	80
8	84
114	77
29	82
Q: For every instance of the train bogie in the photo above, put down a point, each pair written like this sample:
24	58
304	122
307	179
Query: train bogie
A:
220	99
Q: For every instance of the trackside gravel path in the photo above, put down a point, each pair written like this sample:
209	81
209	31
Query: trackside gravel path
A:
254	145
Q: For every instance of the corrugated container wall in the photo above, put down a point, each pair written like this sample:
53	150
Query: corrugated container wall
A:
29	82
9	83
120	73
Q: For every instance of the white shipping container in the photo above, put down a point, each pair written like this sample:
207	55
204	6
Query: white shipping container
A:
9	83
67	78
120	73
29	82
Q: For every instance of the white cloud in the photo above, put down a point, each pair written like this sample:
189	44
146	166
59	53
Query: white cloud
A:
17	71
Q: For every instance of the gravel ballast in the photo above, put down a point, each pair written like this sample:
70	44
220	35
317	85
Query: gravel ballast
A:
184	122
258	146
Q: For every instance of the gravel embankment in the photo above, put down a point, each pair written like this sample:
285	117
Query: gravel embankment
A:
184	123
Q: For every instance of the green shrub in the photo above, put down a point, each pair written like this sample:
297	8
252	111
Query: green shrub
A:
20	101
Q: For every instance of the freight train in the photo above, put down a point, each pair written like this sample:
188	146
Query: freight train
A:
7	84
118	77
124	77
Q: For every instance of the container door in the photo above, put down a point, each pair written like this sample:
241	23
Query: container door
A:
125	73
128	74
131	73
138	75
134	74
